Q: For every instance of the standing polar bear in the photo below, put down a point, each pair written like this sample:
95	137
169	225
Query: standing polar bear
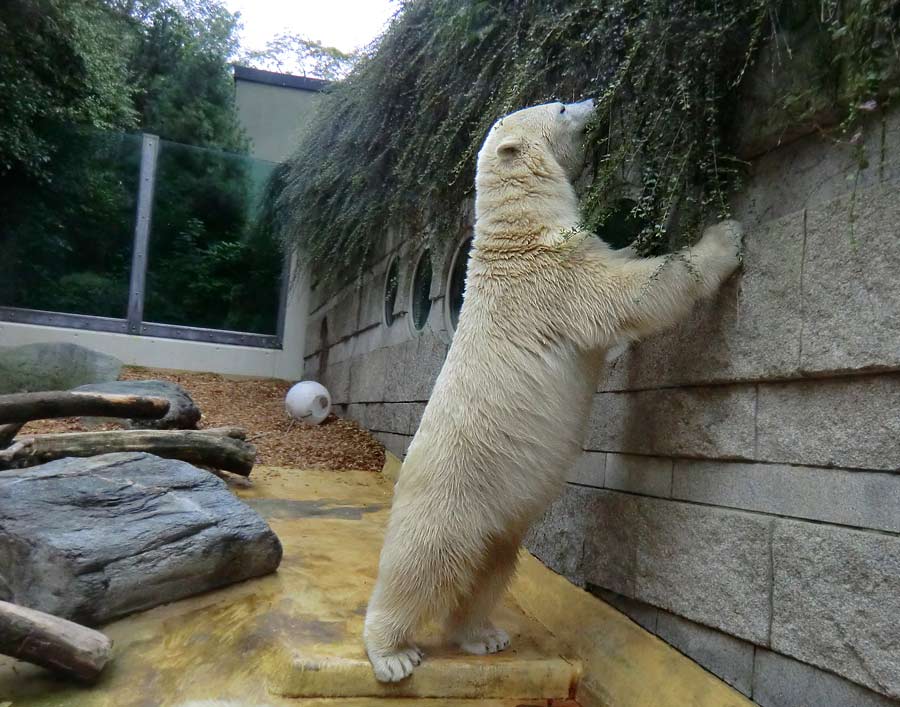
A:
507	415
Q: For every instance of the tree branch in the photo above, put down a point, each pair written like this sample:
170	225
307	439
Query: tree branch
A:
23	407
53	643
220	448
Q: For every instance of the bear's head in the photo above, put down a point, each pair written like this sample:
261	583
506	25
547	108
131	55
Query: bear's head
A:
545	140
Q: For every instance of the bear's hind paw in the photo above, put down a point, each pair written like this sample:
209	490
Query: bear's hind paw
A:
491	640
394	667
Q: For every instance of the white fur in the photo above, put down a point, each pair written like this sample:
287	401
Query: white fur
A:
507	416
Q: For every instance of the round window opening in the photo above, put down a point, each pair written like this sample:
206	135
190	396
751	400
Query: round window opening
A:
421	292
457	282
391	285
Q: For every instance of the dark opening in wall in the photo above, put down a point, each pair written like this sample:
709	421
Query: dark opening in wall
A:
420	297
323	343
621	226
457	282
391	285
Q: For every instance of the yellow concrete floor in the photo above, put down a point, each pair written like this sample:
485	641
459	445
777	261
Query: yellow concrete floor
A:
293	638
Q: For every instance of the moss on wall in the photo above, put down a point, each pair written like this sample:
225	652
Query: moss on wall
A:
396	142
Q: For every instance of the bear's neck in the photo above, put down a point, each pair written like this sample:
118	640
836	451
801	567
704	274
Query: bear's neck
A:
522	213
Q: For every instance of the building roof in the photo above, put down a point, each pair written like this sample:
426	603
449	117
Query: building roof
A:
272	78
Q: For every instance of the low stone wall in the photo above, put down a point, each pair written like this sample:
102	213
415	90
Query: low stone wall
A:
739	492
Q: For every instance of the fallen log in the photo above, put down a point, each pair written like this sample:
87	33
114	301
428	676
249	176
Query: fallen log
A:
8	432
53	643
23	407
205	447
226	431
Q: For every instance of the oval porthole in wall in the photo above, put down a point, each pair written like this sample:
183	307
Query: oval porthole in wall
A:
420	293
391	286
456	282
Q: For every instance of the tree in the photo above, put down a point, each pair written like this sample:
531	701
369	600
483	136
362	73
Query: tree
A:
295	54
75	74
61	61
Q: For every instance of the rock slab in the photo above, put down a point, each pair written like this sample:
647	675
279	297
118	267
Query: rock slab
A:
53	366
95	539
183	411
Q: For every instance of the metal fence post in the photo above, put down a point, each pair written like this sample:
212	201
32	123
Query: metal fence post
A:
136	288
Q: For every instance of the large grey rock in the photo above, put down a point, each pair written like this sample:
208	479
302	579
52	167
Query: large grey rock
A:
53	366
860	498
723	655
94	539
848	422
750	330
697	422
851	283
779	681
836	601
183	412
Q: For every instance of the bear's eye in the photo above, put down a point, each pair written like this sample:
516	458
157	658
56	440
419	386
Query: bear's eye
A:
562	110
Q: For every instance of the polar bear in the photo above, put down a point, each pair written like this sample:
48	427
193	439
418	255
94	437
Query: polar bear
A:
543	301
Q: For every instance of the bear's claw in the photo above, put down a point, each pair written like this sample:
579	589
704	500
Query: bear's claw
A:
492	640
395	667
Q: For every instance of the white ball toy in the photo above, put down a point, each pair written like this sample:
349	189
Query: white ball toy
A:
308	402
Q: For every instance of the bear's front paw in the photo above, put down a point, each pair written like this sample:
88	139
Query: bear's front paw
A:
489	640
725	239
394	667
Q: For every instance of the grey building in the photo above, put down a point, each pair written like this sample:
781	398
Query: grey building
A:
274	108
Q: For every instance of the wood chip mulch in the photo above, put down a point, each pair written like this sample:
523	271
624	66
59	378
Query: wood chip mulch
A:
257	405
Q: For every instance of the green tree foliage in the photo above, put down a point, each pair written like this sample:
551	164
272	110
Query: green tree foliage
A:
289	53
58	65
395	143
180	65
74	74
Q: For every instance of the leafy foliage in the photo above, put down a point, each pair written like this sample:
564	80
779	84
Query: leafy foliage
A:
72	74
57	64
395	143
295	54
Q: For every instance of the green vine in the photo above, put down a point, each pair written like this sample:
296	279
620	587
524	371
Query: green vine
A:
394	145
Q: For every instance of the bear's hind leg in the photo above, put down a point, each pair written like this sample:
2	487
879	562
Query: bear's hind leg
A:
412	572
469	625
391	618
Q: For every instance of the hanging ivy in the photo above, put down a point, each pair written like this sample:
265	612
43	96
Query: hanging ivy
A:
394	145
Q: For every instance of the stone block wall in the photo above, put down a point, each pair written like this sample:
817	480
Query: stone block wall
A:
739	492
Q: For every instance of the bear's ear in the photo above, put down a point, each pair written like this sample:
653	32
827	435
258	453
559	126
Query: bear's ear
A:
509	148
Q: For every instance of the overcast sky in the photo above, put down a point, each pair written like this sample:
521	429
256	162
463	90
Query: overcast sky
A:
345	24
